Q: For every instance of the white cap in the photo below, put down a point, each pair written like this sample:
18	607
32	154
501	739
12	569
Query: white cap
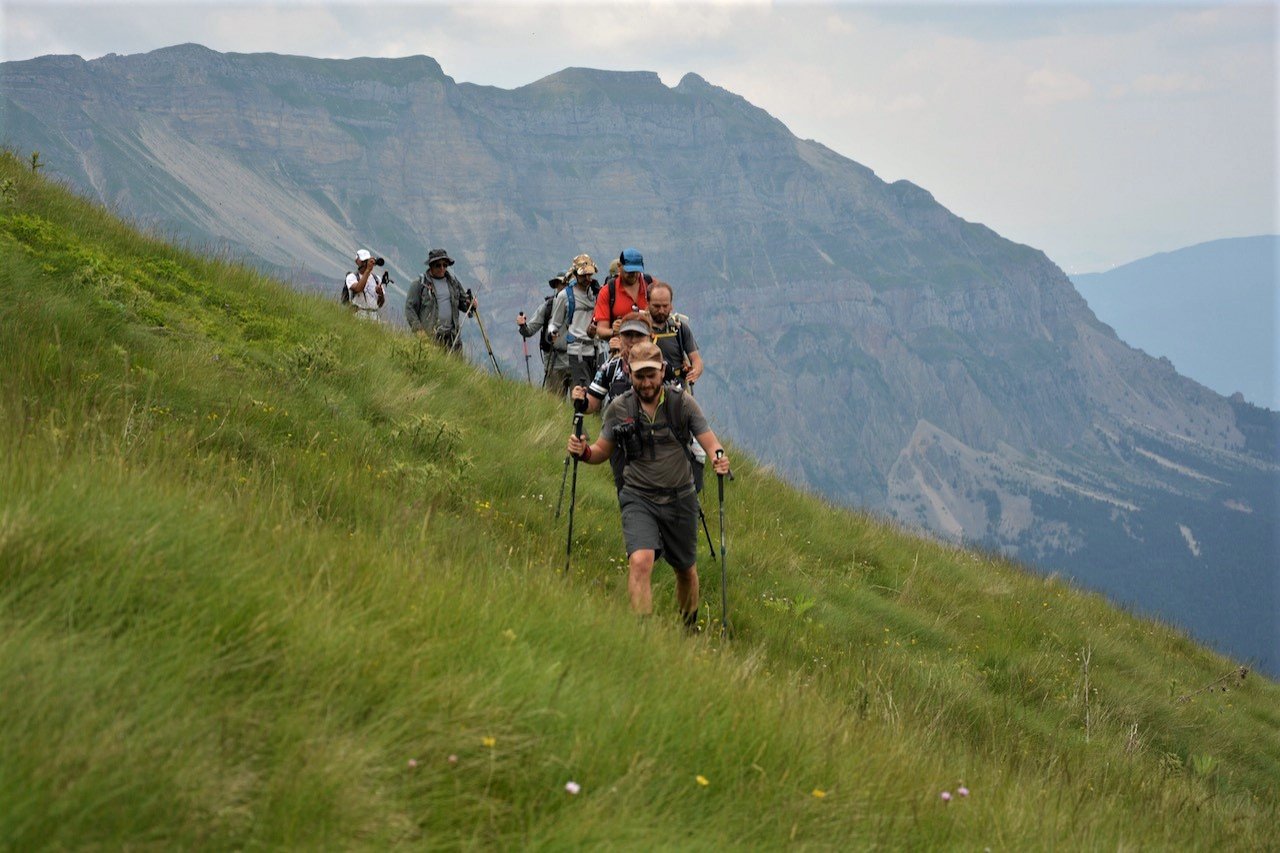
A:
363	255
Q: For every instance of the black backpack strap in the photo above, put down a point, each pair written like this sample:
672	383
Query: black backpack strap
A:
674	412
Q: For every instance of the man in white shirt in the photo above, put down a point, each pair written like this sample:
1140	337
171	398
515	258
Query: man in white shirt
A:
364	286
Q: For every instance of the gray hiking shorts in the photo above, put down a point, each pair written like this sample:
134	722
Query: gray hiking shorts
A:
669	529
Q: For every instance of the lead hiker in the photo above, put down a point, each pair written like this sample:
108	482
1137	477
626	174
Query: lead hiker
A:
555	359
652	423
432	317
366	300
571	316
624	294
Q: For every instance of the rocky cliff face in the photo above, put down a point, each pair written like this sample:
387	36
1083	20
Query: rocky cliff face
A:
859	335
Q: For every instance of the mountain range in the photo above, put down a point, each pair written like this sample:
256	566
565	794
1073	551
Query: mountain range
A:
1208	308
859	337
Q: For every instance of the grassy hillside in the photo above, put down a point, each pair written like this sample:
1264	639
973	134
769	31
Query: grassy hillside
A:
269	577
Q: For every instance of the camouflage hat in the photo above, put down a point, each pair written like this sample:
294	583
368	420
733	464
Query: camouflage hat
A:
439	255
583	265
613	267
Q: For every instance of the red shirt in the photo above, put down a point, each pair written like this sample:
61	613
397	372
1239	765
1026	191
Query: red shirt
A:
622	305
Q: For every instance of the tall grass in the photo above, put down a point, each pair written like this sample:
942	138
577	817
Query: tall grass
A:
269	577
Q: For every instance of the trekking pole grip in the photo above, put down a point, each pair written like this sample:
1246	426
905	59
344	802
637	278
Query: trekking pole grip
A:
719	476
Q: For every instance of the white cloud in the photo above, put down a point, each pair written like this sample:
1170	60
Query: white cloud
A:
1046	87
959	100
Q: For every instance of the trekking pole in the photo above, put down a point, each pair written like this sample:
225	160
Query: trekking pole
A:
724	575
579	406
476	313
702	515
527	374
564	478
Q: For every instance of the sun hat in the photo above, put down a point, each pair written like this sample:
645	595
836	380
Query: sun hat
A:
439	255
364	255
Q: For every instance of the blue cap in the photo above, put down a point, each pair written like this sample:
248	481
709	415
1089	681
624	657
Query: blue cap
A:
631	260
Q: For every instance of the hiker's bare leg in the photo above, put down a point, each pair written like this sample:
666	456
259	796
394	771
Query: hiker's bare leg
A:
640	564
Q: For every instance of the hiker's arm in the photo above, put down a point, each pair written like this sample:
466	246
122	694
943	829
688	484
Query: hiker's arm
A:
358	287
711	444
413	307
593	402
596	453
559	307
695	370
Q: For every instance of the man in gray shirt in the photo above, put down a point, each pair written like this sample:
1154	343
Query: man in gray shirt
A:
652	423
435	302
571	320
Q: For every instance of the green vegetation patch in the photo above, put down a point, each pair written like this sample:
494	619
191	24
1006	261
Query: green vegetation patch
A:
273	578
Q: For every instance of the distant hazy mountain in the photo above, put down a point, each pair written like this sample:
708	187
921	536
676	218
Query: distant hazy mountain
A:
859	336
1209	308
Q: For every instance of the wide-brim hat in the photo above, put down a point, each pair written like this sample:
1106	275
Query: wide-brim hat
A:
556	281
645	354
583	265
439	255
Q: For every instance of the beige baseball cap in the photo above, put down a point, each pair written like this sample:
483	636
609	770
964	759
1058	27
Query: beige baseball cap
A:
645	354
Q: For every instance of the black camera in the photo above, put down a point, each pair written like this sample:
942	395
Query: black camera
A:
379	262
630	437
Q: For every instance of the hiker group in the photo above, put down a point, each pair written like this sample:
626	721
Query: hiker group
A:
615	347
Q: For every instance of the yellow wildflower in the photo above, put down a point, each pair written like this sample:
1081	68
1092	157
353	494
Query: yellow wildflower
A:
703	780
489	742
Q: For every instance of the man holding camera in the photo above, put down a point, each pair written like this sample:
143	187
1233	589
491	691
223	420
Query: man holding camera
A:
652	423
432	314
365	288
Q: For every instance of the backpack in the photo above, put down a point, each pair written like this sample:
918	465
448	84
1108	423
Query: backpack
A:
571	309
673	411
544	340
344	295
673	331
612	288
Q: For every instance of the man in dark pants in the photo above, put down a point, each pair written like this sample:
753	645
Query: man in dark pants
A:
433	314
555	358
652	422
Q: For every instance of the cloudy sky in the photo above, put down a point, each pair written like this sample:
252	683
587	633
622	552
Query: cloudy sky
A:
1100	133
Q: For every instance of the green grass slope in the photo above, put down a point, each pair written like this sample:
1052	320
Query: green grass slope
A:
265	570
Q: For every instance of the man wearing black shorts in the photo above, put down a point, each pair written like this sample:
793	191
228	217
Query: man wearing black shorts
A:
652	423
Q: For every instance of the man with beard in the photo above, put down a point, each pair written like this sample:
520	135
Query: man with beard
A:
672	334
652	423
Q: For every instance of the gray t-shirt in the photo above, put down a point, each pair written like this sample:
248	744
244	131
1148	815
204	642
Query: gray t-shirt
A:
665	466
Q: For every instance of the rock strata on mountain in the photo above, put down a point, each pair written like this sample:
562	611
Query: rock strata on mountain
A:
858	335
